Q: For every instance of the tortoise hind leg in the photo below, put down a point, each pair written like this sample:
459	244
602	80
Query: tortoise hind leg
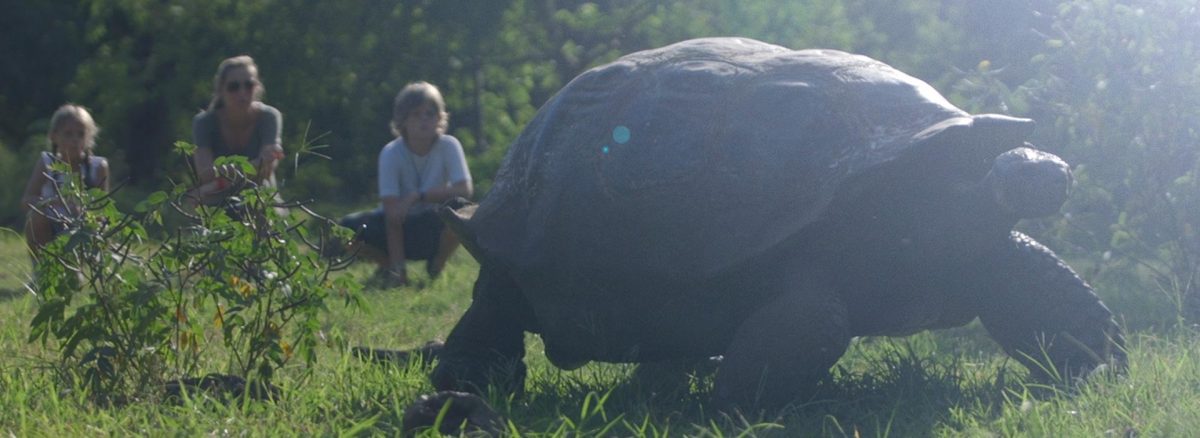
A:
487	345
1046	317
783	350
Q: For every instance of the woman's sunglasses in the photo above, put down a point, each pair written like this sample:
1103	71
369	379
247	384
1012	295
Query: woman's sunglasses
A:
235	86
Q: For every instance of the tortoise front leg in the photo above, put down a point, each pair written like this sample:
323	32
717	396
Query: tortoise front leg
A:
1045	316
487	345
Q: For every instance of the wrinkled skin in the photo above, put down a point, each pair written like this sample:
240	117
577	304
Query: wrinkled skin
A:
729	197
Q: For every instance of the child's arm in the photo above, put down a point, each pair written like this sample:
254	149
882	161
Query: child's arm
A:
33	188
103	173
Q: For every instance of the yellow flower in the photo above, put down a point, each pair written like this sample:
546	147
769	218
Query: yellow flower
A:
242	287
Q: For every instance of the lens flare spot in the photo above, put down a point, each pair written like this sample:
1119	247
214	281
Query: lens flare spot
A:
621	134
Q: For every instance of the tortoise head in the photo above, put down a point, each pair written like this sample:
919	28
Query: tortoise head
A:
1029	183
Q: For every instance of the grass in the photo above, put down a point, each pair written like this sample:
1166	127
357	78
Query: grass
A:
948	383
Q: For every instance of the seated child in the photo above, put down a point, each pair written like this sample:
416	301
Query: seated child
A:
72	136
418	170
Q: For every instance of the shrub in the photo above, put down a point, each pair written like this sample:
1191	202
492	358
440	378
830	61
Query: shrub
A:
131	304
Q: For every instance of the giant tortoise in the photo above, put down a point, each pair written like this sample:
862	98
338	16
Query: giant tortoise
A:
729	197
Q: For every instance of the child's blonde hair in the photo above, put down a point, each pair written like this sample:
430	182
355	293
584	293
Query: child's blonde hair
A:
79	114
411	97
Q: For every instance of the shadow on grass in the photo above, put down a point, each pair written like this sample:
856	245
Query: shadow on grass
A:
900	394
889	390
12	293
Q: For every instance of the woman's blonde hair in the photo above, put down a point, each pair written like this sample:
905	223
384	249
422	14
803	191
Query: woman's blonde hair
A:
76	113
411	97
223	70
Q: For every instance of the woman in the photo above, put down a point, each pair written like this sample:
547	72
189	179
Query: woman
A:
72	136
420	169
235	123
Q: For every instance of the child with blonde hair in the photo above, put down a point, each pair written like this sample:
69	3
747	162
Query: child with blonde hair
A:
418	170
72	136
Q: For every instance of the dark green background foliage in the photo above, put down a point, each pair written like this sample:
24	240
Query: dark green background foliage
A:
1114	86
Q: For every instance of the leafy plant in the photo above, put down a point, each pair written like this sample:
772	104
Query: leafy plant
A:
132	304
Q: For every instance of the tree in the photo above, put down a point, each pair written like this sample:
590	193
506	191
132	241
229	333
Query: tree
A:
1117	92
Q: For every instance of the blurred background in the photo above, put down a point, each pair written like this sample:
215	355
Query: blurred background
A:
1113	85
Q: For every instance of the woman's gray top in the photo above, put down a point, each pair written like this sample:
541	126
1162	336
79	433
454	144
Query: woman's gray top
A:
206	133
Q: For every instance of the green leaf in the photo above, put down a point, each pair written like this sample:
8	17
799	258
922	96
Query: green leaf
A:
77	238
157	198
184	148
49	312
1119	239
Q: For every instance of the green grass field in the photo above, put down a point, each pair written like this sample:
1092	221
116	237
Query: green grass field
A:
949	383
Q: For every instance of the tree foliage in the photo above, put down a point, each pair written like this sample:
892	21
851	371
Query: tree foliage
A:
1116	90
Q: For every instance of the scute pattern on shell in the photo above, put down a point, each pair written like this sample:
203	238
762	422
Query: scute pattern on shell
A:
744	141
